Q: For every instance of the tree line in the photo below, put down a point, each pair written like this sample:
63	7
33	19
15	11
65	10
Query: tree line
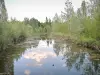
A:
82	24
14	31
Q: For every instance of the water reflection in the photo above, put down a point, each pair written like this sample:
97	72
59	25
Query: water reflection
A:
7	58
38	55
49	57
87	62
27	72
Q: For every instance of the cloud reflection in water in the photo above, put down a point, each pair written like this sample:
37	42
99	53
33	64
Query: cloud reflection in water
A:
41	52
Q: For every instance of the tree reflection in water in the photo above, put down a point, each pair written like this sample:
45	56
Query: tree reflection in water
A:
8	56
83	60
87	62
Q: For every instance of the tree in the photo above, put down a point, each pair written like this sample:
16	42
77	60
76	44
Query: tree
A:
69	10
79	12
26	20
97	17
46	20
84	8
56	18
49	21
3	11
34	23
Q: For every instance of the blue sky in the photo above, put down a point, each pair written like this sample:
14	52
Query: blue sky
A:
38	9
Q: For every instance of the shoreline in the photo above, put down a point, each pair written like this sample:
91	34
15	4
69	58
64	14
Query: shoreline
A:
88	45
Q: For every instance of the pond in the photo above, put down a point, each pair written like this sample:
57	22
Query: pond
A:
49	57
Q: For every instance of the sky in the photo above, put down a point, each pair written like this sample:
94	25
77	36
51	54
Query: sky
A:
39	9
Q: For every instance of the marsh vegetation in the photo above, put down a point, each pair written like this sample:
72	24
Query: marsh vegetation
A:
52	47
81	25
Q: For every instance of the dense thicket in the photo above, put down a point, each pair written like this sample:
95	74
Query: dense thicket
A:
83	24
14	31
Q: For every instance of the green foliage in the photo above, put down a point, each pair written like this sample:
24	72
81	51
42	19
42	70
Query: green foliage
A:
13	32
45	28
60	28
3	35
3	11
84	9
32	22
83	24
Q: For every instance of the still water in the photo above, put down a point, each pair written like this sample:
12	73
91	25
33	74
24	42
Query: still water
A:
49	57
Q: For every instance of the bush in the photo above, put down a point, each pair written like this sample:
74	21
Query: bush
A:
13	32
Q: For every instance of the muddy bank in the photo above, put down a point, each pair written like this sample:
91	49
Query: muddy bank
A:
90	45
61	37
